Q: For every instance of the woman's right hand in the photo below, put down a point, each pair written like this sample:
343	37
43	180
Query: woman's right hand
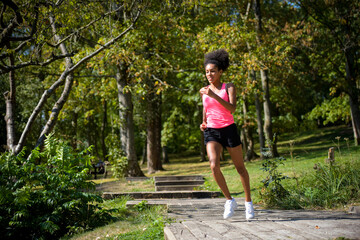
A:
203	126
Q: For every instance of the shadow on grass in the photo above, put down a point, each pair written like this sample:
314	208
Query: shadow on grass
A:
315	142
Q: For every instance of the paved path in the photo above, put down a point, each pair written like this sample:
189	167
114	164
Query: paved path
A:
202	219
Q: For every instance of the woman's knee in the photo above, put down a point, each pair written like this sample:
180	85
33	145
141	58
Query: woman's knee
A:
214	166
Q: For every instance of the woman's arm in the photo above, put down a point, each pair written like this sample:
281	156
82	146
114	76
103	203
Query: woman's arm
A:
203	124
231	105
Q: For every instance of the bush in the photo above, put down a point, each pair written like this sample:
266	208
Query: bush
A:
273	193
43	197
331	185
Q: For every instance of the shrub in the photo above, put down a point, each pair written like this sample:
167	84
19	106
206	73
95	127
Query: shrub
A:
43	197
273	193
116	156
332	185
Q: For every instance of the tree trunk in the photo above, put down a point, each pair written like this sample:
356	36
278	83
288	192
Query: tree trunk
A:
353	92
158	132
59	104
355	116
243	139
153	133
144	153
127	122
267	115
10	98
74	124
259	119
103	129
249	151
265	86
165	156
260	123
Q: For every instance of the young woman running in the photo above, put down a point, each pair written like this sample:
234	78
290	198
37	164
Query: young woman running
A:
219	101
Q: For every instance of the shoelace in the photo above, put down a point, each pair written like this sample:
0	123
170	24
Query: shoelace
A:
249	210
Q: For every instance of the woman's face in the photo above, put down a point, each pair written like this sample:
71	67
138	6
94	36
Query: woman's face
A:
212	72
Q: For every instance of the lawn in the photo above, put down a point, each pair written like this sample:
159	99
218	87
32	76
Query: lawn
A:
302	151
140	222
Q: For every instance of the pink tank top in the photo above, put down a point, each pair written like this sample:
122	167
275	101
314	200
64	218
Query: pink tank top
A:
217	116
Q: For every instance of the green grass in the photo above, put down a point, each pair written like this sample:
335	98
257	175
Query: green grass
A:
138	222
302	151
306	149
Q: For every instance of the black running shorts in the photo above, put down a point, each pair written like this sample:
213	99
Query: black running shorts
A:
227	136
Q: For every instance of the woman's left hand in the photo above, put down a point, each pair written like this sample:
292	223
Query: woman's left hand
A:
207	91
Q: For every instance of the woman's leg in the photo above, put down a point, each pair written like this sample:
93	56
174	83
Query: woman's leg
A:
213	151
237	158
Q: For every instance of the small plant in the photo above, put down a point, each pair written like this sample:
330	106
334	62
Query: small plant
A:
292	143
116	156
338	144
347	143
272	190
142	206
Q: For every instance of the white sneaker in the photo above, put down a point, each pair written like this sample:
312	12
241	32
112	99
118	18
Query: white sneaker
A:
249	210
229	206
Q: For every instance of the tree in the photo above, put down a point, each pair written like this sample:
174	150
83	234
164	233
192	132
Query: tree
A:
45	45
265	86
127	121
341	21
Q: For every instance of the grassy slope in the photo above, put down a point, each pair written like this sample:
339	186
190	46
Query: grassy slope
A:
308	148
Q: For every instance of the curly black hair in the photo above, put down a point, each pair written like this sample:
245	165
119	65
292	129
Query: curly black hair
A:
218	57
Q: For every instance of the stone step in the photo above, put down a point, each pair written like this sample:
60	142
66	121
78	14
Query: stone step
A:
136	179
162	194
180	182
176	187
178	178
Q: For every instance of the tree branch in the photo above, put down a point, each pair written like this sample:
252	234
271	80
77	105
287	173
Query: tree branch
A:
168	85
6	69
107	45
67	74
85	27
47	93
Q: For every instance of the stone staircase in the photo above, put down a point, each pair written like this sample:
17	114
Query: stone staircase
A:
178	183
167	187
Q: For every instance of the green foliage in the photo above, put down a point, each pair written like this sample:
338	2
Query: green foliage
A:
332	110
332	185
116	156
273	193
141	206
152	219
141	221
43	196
154	231
155	224
286	123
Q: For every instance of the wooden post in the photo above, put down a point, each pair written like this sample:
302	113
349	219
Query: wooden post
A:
331	156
